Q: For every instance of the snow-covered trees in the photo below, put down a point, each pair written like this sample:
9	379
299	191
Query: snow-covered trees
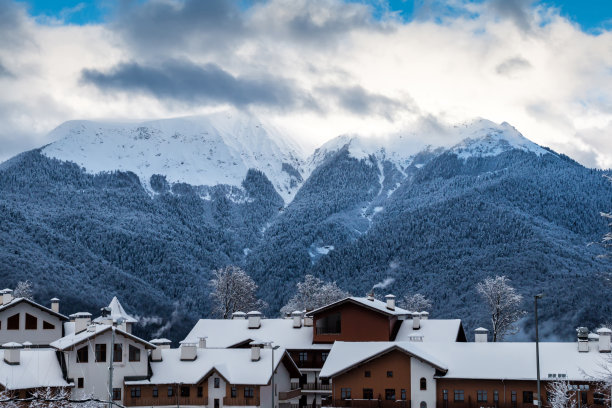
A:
50	398
560	394
504	305
24	290
5	400
416	303
233	290
313	293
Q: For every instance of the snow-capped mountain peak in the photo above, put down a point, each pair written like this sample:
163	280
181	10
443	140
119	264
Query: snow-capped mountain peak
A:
203	150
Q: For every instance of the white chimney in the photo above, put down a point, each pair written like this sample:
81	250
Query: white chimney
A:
12	353
481	335
81	321
160	344
416	321
55	305
254	319
238	316
7	296
583	339
390	302
308	321
255	353
424	315
370	296
189	351
106	314
202	342
604	339
297	319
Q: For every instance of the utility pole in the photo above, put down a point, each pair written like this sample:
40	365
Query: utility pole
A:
535	299
112	358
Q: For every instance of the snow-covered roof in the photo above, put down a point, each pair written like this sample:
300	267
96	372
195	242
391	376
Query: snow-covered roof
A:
516	361
19	300
117	312
234	365
37	368
345	355
373	304
437	330
227	333
92	331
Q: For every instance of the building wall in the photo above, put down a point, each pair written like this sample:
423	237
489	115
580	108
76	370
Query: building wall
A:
95	374
418	370
395	361
358	323
220	392
147	399
39	336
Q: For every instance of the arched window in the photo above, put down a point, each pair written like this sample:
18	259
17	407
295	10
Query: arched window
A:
423	385
423	404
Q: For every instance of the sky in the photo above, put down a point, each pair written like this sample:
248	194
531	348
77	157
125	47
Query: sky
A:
315	68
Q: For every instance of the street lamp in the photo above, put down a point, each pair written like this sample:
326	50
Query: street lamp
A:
269	344
535	299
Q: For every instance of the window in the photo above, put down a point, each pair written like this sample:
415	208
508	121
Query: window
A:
481	395
80	382
423	383
82	355
234	391
403	397
184	391
495	396
31	322
389	374
117	353
368	393
390	394
303	356
100	353
116	394
513	398
445	395
345	393
583	397
249	392
367	373
155	392
12	323
324	356
217	381
134	353
527	396
459	396
423	404
329	324
135	392
170	391
599	398
48	326
200	392
216	404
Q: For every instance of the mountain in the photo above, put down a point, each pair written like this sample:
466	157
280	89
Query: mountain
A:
139	210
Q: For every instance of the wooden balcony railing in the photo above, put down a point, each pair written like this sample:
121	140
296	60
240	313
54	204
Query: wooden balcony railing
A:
373	403
283	396
245	402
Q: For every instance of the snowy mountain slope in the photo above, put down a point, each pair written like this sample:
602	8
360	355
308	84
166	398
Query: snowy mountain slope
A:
205	150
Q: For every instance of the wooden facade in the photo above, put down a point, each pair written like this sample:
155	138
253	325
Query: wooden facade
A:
159	394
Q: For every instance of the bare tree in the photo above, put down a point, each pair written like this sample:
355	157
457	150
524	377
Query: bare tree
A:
504	305
24	290
233	290
560	394
313	293
50	398
6	400
416	303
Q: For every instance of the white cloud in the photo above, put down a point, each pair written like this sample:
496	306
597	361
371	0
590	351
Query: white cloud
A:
551	81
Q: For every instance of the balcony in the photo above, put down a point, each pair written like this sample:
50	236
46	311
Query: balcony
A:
294	393
372	403
316	387
243	402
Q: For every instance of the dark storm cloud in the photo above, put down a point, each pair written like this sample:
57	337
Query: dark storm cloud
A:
4	72
359	101
192	84
512	66
516	10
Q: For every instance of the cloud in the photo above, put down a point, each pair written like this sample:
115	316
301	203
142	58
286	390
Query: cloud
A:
4	72
516	10
193	84
359	101
512	66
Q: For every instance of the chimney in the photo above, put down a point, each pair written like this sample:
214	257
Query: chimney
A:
238	316
255	353
160	344
12	353
583	339
416	321
55	305
81	321
308	321
254	319
189	351
297	319
370	296
481	335
424	315
107	318
604	339
7	296
390	302
202	342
